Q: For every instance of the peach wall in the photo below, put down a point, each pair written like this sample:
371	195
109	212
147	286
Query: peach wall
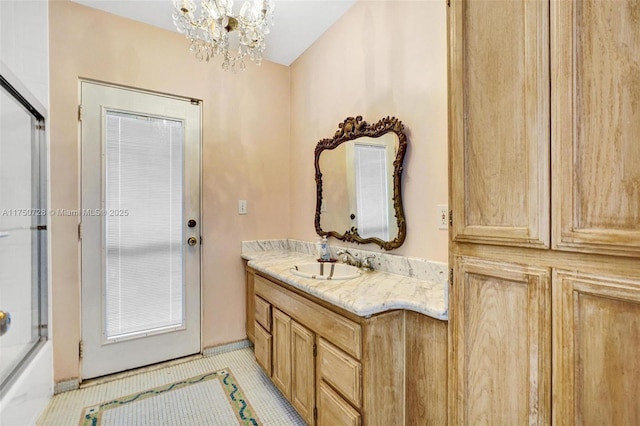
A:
245	142
383	58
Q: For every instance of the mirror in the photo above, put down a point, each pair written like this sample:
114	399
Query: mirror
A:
358	179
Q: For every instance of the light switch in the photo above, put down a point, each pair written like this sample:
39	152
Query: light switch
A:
242	206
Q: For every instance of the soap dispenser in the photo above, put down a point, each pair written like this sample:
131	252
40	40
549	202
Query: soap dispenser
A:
326	256
319	250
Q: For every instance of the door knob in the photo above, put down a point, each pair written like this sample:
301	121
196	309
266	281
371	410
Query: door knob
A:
192	241
5	322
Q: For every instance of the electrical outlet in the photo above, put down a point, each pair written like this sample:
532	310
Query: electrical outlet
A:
442	216
242	206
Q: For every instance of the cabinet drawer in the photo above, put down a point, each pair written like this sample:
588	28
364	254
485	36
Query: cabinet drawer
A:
333	410
345	334
262	348
340	371
263	313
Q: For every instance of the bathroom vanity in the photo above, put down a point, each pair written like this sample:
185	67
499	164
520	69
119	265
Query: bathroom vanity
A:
344	360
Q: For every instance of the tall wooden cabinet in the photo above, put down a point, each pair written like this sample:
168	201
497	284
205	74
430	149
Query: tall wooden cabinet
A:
544	131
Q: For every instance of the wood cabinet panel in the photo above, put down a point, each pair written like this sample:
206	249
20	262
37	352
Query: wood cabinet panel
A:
383	369
250	310
596	80
345	334
501	344
262	348
303	395
341	371
263	313
333	410
281	373
596	344
426	370
499	122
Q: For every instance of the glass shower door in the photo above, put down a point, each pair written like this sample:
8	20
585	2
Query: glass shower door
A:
22	231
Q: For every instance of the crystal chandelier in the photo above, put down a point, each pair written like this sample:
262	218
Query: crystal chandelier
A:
209	34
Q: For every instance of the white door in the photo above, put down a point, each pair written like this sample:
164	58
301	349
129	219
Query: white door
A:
140	228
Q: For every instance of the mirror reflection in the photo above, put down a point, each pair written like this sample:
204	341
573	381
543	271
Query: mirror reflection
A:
358	175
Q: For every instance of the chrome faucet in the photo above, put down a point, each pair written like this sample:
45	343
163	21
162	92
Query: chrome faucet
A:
367	264
348	258
352	259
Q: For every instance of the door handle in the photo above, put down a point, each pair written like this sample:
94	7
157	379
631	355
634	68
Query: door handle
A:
192	241
5	322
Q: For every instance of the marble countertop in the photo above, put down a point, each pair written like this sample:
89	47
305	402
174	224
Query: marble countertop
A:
370	293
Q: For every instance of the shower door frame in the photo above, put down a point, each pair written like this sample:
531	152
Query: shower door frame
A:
39	213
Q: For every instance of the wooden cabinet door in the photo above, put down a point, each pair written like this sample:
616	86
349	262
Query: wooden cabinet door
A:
333	410
499	121
596	341
303	380
262	348
281	374
596	126
500	327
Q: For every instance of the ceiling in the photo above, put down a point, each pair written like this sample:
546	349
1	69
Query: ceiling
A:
297	23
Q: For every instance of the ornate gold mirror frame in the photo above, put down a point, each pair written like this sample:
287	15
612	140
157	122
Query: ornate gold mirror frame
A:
349	130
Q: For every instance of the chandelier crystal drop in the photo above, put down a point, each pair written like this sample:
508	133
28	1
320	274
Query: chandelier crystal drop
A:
209	33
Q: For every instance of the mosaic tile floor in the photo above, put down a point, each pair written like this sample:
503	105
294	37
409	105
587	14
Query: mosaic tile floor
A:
268	405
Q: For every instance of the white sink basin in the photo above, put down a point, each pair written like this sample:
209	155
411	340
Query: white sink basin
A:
325	271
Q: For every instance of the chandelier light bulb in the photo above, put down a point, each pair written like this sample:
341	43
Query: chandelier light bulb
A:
209	34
